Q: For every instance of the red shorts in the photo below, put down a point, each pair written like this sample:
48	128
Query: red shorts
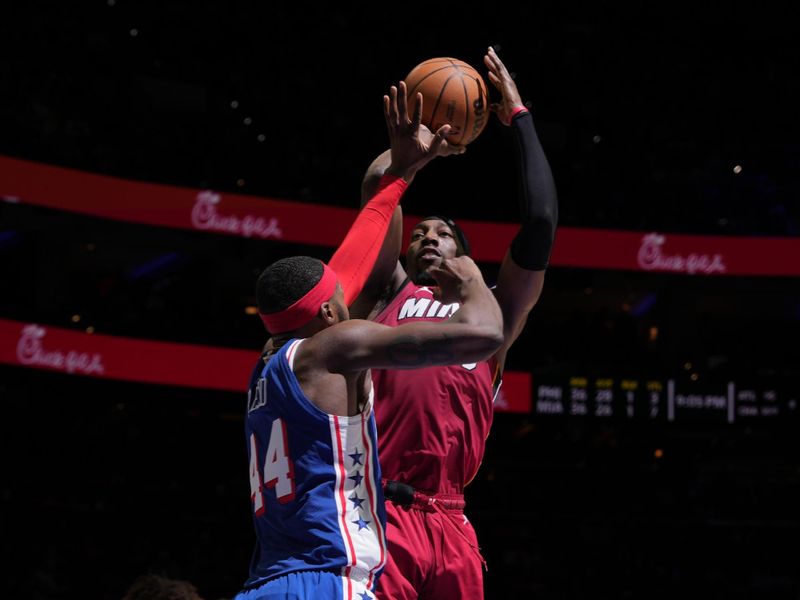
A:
432	554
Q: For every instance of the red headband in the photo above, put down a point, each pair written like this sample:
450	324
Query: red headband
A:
306	308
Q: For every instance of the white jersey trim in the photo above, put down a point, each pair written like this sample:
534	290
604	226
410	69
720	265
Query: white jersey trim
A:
291	351
356	495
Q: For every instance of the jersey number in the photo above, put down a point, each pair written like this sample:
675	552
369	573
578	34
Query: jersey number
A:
278	468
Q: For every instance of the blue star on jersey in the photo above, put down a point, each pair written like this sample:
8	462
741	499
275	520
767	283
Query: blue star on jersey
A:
365	596
357	502
356	456
357	478
362	524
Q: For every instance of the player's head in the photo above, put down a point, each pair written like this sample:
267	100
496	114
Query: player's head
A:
156	587
296	291
433	239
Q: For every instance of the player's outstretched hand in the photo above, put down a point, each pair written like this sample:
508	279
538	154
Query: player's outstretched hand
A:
502	80
412	144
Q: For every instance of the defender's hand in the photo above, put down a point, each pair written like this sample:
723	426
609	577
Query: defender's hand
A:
412	147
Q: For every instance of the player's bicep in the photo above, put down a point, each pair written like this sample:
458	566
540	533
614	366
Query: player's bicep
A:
517	292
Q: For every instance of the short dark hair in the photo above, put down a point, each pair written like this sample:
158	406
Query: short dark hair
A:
285	281
461	239
156	587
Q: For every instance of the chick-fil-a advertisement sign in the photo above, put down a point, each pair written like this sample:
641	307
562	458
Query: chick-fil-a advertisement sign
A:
240	215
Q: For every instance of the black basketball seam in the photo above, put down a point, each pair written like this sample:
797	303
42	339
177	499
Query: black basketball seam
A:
435	60
414	89
467	112
482	93
439	99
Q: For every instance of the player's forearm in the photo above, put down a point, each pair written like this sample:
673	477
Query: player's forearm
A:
376	170
431	344
474	333
538	200
356	345
386	262
358	253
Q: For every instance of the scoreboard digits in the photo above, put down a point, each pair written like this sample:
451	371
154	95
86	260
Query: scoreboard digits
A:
660	400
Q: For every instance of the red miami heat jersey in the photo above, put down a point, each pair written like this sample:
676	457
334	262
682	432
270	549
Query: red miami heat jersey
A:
433	422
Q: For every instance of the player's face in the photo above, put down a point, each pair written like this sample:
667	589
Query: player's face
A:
431	241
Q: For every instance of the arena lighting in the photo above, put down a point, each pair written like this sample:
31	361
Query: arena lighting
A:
658	453
694	377
75	318
687	365
251	310
653	333
737	169
90	330
247	121
234	104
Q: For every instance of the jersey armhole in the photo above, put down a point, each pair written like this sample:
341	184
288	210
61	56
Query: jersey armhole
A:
497	376
291	352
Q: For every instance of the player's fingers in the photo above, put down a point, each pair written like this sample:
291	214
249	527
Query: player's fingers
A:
439	138
499	65
402	102
495	81
417	118
386	111
393	105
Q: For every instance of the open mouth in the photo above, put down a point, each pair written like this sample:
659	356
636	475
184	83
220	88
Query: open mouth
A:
429	255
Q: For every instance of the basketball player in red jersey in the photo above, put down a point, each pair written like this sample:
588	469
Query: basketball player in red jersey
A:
433	423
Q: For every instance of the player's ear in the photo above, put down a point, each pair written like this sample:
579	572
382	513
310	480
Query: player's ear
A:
327	314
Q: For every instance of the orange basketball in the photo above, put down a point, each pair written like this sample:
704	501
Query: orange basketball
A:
452	93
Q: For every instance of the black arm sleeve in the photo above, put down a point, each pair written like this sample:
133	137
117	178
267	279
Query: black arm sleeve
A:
537	196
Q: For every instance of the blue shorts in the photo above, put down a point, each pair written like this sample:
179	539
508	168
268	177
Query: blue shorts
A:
309	585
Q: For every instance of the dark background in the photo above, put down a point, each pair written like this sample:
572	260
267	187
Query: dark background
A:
643	113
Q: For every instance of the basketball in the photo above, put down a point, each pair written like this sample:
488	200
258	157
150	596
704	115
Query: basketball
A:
452	93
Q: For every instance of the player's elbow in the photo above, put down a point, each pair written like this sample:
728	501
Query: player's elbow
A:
496	338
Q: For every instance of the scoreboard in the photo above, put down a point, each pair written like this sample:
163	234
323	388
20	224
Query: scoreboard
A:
662	399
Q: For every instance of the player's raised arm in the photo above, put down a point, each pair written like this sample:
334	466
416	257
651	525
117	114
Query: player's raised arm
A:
521	276
473	333
356	257
387	270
